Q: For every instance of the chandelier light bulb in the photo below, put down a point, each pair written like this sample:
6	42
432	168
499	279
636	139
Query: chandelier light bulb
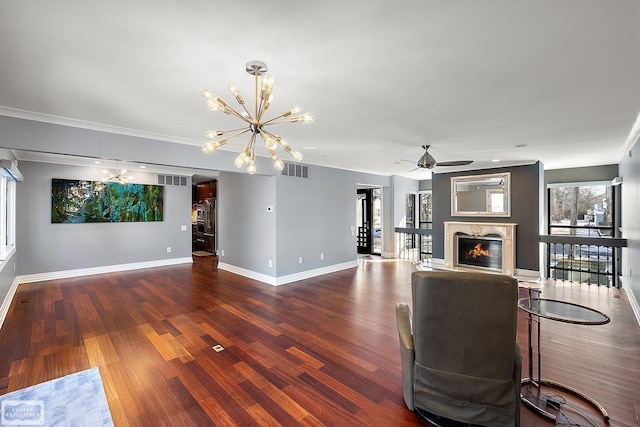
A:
270	142
205	93
307	118
251	169
296	155
214	105
239	161
268	82
278	164
213	134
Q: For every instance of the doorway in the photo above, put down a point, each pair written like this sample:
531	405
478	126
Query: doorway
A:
369	221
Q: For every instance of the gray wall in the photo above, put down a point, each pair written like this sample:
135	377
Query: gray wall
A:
50	138
44	247
311	216
525	211
630	173
315	216
246	230
586	174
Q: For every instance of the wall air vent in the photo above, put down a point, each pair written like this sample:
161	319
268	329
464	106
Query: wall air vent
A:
295	170
172	180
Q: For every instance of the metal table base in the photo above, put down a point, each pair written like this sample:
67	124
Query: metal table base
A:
534	317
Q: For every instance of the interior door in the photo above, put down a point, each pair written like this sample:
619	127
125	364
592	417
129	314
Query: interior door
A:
364	221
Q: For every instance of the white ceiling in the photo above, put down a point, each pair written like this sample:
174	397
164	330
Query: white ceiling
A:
519	81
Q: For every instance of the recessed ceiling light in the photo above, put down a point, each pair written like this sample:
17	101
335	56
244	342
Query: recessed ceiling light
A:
97	162
495	160
143	167
327	156
309	148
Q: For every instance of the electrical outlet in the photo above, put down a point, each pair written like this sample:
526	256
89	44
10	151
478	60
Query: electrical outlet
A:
270	263
168	249
183	228
221	252
300	260
322	256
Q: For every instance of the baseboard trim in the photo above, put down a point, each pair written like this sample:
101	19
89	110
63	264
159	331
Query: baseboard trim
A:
270	280
527	274
283	280
632	299
4	308
315	272
39	277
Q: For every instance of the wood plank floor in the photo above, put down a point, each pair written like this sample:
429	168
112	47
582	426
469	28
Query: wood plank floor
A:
322	351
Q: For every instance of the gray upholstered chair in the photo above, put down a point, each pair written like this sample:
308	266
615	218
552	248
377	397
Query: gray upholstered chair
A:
459	353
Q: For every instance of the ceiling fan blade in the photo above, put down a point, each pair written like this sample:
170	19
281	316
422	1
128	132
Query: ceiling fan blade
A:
455	163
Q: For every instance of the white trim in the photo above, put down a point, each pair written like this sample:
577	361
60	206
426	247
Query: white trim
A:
4	308
437	261
527	274
100	127
632	299
315	272
269	280
283	280
39	277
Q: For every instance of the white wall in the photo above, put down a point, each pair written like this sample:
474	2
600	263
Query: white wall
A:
630	173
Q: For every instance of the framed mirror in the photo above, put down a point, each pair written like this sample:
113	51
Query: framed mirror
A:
481	195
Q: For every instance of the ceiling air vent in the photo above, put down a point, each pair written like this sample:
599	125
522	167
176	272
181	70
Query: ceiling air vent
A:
295	170
172	180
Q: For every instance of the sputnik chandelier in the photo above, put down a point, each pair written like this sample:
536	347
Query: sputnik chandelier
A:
255	124
119	176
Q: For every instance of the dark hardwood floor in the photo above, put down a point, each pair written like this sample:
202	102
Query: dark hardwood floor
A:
322	351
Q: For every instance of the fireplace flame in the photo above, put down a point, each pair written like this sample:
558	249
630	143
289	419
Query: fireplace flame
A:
478	251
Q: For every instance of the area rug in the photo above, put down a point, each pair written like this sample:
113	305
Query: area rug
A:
74	400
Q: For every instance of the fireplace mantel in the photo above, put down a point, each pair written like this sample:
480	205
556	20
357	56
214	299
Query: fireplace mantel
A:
506	231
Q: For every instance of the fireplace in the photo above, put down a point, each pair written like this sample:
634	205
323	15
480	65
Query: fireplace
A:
497	238
480	252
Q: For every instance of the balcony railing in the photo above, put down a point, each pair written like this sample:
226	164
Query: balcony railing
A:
592	260
414	244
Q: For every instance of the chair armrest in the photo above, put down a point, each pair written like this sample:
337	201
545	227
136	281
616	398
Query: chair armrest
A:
407	354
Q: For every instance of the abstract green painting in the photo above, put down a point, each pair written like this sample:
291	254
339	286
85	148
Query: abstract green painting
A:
77	201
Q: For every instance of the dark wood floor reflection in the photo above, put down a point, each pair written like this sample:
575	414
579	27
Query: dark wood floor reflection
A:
322	351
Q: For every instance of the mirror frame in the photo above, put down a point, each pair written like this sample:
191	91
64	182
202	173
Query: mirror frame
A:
505	176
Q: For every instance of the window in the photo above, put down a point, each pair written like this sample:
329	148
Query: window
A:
581	210
7	216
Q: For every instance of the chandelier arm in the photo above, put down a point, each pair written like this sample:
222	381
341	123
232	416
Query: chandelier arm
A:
276	121
234	130
274	136
238	134
238	115
261	109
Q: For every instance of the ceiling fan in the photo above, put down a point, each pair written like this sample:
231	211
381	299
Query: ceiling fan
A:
428	162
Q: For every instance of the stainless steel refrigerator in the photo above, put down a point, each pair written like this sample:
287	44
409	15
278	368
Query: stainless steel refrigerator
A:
209	222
